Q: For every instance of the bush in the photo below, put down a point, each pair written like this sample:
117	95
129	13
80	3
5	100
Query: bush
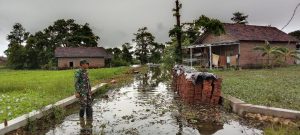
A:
119	62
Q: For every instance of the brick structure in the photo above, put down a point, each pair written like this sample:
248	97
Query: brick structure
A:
69	57
207	92
245	38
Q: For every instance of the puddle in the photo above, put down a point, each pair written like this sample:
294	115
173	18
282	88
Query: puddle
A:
146	106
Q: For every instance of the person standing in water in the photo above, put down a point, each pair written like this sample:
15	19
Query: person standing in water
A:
83	90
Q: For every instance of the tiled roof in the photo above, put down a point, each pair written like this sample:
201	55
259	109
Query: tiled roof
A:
81	52
257	33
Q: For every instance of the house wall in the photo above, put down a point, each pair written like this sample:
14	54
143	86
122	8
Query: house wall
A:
64	63
298	50
250	57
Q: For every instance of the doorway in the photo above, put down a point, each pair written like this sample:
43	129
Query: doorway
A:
71	65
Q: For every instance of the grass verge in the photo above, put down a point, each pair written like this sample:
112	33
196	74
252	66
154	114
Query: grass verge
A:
278	87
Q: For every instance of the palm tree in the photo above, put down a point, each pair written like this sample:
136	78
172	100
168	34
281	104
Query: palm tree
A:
268	50
286	52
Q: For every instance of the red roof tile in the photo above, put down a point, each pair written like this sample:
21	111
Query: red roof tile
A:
81	52
257	33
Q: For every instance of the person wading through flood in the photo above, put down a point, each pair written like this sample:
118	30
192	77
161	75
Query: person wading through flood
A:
83	90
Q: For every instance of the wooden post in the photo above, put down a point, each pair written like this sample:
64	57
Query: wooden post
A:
238	61
210	58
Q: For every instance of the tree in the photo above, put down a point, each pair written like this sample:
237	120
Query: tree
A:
66	33
16	56
117	53
296	34
286	52
18	35
117	59
178	31
240	18
32	54
126	53
209	25
144	43
38	49
268	50
168	57
16	52
191	31
156	53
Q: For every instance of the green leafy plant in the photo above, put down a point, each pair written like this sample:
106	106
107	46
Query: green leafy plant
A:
269	51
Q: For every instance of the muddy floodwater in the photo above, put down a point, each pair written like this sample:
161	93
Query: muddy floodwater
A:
146	106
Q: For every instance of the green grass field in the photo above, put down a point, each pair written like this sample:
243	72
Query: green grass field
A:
278	87
22	91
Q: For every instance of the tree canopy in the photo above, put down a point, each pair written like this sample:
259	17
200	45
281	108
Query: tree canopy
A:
240	18
32	51
296	34
147	50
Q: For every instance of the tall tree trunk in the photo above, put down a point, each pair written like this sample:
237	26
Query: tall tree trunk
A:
178	34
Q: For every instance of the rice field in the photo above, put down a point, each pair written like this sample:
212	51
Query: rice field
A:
22	91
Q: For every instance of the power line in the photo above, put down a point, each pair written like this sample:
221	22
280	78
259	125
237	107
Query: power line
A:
292	16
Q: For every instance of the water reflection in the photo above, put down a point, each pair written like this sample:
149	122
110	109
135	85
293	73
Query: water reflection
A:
146	106
86	125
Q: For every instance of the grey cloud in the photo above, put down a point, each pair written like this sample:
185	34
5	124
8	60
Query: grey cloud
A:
115	21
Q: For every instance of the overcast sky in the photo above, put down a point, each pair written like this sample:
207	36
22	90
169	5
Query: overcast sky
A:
115	21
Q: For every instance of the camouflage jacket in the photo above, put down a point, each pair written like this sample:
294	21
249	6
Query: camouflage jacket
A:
82	82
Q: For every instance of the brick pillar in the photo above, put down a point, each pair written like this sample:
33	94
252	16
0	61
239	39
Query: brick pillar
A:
216	91
207	89
198	93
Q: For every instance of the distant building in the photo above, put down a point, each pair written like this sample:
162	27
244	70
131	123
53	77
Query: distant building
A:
69	57
3	60
235	47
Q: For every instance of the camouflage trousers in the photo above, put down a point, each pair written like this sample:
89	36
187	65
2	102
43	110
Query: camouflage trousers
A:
85	101
86	106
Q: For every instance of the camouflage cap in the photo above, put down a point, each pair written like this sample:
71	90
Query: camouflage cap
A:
83	62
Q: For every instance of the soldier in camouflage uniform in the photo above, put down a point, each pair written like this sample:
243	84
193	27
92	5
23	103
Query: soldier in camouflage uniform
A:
83	90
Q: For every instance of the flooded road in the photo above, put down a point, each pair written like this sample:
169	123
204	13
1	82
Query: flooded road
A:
146	106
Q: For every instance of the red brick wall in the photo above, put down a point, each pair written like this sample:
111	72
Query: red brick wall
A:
207	93
250	57
93	62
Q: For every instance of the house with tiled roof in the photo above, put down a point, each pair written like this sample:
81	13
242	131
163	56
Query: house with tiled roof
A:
69	57
235	46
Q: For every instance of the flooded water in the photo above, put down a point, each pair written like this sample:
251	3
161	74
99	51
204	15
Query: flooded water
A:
146	106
